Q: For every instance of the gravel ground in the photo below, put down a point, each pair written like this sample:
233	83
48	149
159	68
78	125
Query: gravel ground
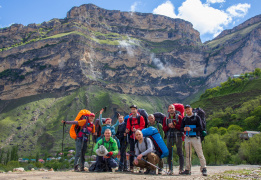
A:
196	174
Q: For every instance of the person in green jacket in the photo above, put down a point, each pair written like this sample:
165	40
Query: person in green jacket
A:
158	126
111	146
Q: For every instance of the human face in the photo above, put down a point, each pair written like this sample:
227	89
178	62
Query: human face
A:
171	109
188	111
151	120
121	119
134	111
91	118
138	136
107	134
108	121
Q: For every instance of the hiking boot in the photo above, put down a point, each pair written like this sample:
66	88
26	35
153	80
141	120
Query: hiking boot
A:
119	170
204	172
186	172
147	171
152	172
171	172
76	168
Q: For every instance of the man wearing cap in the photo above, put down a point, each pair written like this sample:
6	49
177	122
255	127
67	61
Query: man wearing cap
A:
84	127
105	148
135	122
192	126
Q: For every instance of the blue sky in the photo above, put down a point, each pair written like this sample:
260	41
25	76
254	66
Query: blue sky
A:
209	17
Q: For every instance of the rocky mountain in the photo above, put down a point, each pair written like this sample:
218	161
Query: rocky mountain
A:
96	57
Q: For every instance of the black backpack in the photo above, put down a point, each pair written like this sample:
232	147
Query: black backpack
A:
159	117
145	115
156	146
201	113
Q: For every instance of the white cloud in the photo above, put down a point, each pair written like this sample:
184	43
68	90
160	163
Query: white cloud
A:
134	6
166	9
239	10
206	19
215	1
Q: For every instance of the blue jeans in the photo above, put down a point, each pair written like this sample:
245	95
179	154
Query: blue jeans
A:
80	152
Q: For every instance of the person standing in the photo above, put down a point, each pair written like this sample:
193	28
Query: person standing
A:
83	128
192	126
171	127
135	122
121	135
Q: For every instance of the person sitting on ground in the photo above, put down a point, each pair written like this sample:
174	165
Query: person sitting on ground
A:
111	149
192	125
144	148
121	135
83	127
158	126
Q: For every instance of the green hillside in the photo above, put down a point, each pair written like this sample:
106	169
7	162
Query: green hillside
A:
34	123
233	102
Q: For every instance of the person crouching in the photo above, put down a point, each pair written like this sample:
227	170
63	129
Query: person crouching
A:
144	148
105	148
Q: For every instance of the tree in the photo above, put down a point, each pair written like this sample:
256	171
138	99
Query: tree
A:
215	150
250	150
14	153
234	128
257	72
37	157
1	155
232	140
222	131
213	130
7	157
251	123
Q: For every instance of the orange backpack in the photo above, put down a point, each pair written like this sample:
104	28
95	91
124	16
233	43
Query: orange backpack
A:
78	117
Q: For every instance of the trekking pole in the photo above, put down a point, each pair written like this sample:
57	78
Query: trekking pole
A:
149	163
189	152
105	108
63	138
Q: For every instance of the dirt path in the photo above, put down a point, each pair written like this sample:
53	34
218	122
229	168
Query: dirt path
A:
64	175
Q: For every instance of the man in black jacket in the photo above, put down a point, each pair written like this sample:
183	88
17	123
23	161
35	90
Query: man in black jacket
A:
121	135
192	126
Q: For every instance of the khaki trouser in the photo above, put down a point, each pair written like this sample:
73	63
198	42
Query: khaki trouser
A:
196	143
152	158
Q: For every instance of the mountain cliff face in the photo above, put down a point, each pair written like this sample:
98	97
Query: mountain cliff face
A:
234	51
126	52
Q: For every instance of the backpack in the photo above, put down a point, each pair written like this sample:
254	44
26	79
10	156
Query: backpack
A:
179	109
75	128
138	119
98	127
201	113
159	117
156	146
145	115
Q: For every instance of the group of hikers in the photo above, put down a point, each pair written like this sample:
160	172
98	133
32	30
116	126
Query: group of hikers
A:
145	137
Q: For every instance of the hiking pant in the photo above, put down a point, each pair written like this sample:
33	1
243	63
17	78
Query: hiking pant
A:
80	152
170	144
196	143
132	149
152	158
111	163
123	160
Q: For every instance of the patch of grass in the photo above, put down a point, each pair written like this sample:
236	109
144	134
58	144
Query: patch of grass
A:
241	32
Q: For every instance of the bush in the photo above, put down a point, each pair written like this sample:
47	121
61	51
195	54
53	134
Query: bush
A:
250	150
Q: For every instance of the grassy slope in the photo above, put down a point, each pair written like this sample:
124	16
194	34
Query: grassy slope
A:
45	132
231	97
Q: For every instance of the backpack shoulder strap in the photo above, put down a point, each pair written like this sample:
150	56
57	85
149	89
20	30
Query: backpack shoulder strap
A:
138	118
146	142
